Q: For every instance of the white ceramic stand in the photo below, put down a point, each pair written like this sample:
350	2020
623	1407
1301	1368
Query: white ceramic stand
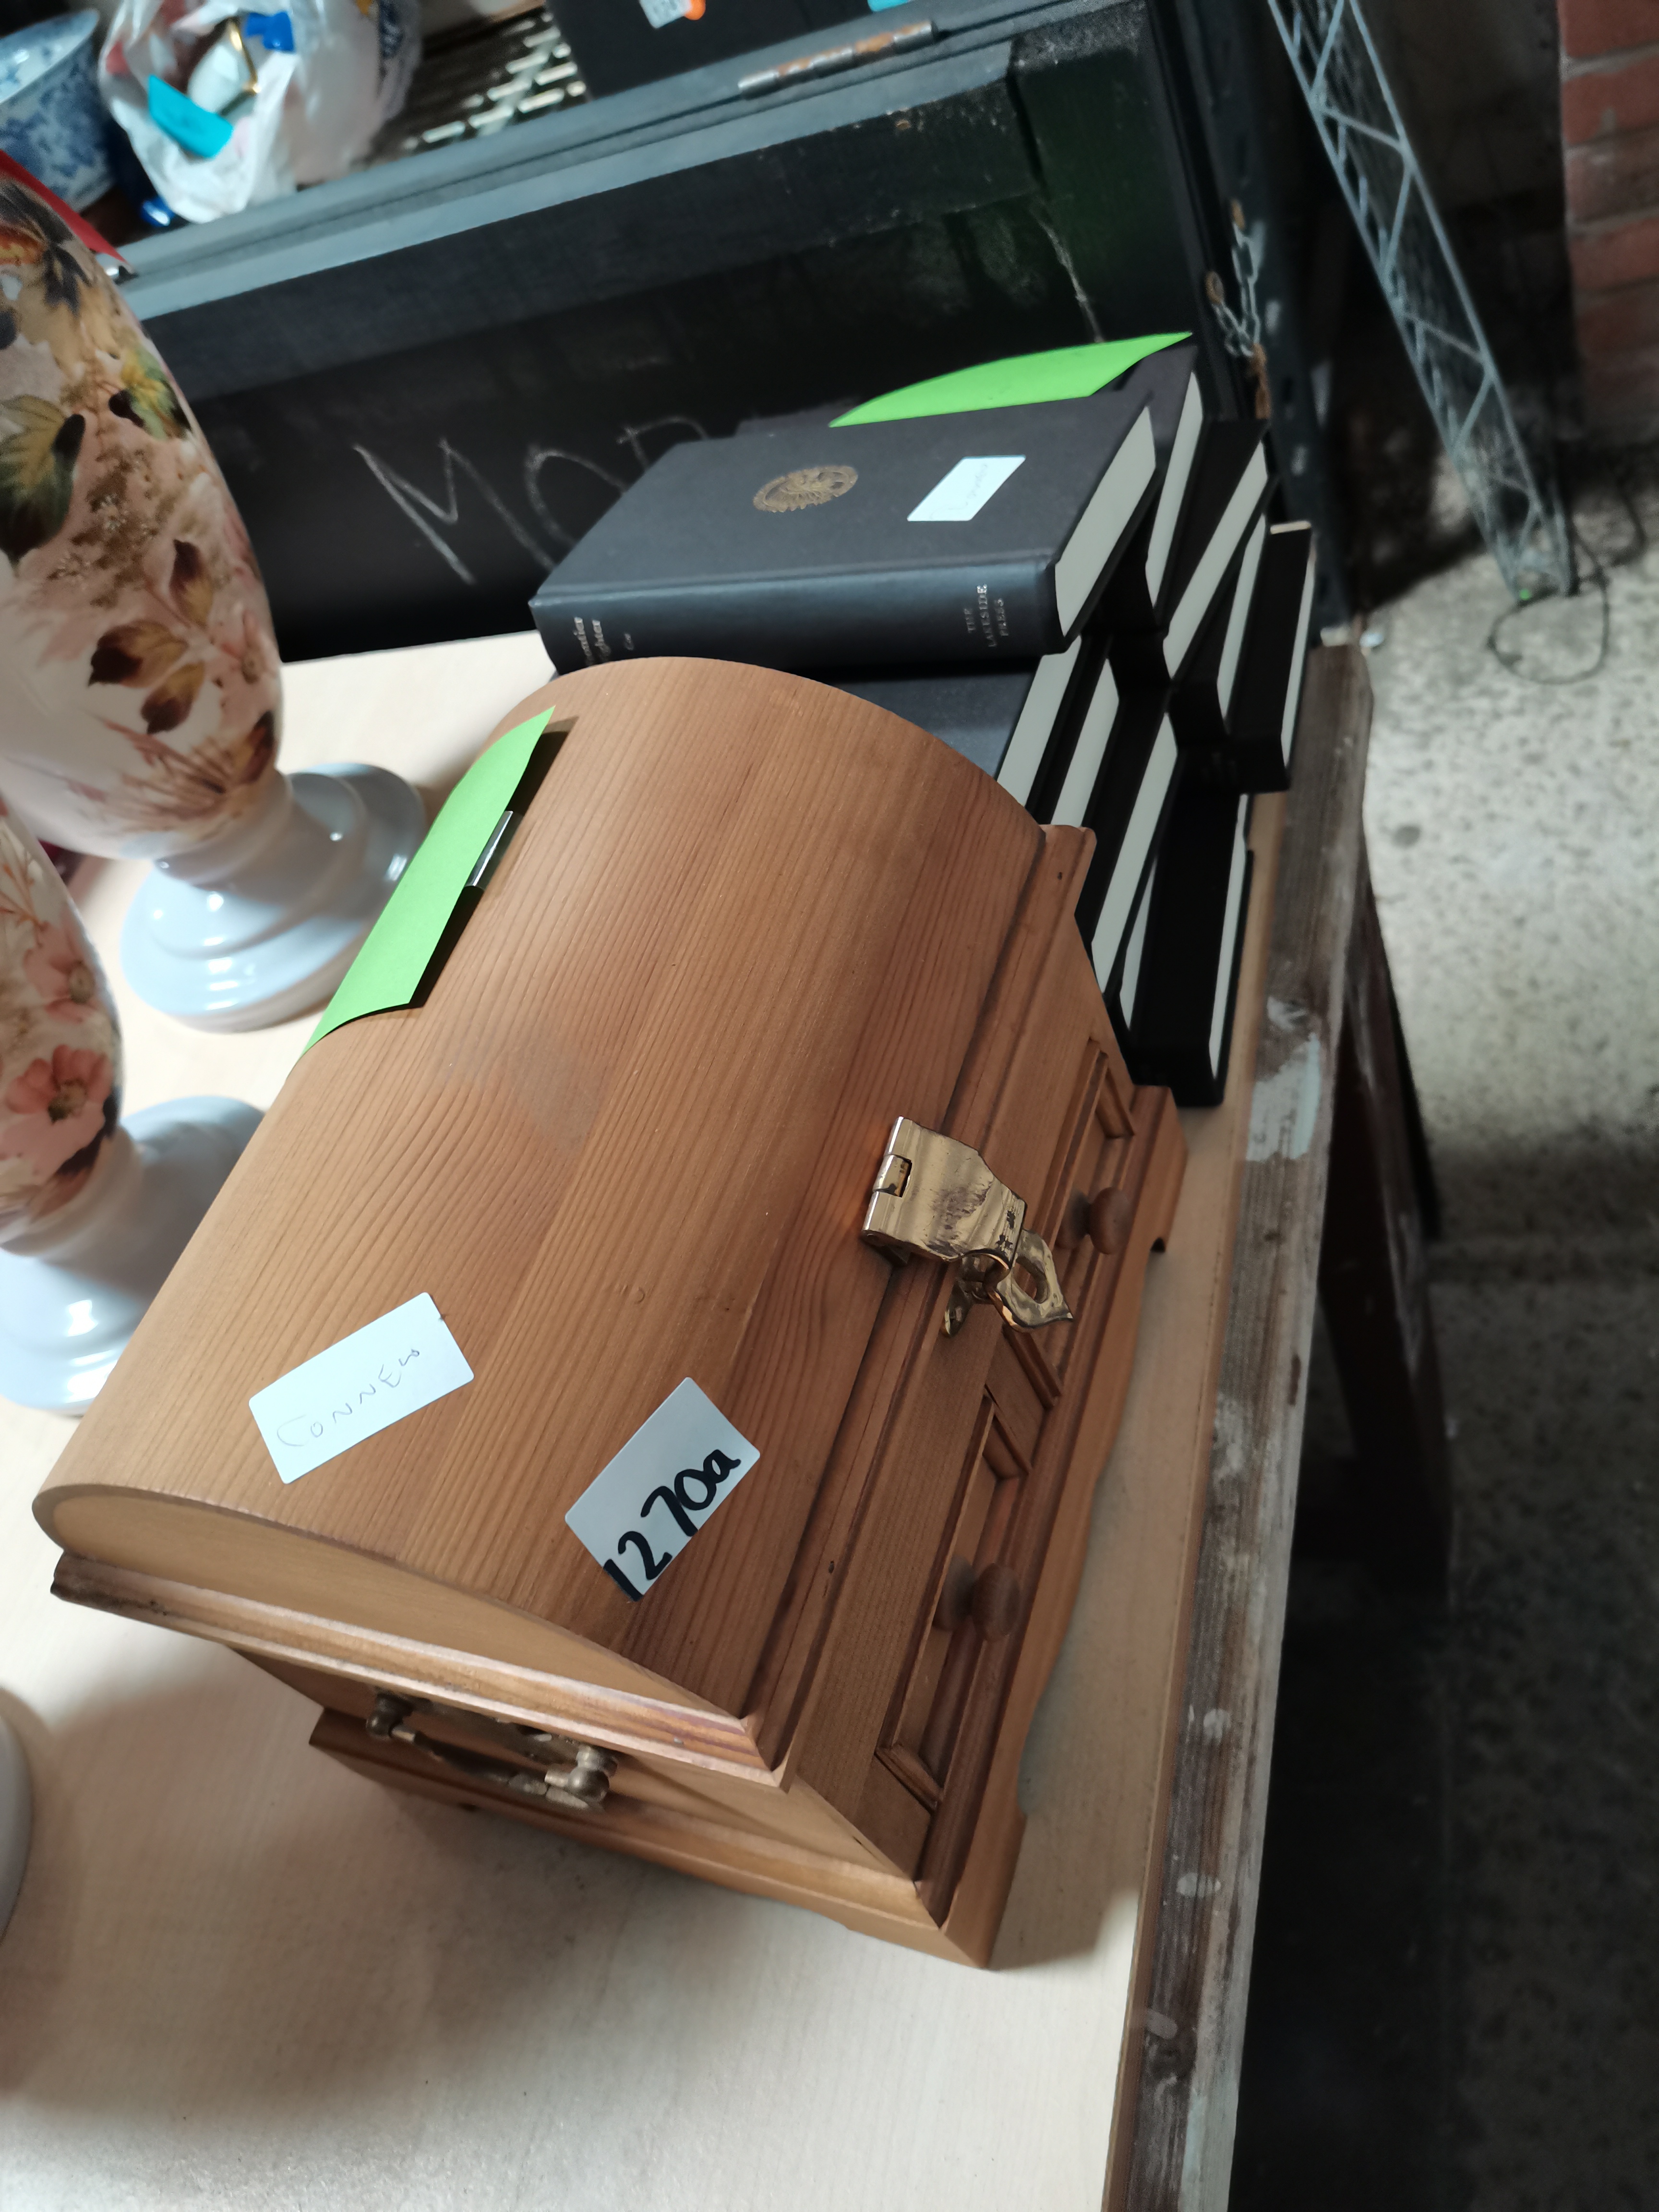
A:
73	1289
263	922
15	1815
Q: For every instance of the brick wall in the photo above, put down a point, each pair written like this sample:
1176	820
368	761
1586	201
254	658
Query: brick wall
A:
1610	131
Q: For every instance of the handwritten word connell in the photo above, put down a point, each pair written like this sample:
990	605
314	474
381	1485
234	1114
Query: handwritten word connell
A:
388	1377
380	1373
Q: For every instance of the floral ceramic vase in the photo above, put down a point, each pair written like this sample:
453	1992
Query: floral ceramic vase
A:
93	1212
140	689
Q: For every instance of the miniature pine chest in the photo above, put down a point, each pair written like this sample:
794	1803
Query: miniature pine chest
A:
754	1050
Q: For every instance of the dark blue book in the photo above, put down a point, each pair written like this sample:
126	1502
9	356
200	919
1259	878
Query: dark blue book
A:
1235	712
1201	701
1128	811
1135	598
1013	721
1174	990
1229	489
969	537
1061	739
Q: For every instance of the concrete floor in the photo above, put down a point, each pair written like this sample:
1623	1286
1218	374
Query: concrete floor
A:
1455	2001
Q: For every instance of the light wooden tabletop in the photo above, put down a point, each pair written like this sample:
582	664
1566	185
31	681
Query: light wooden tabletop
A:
241	1977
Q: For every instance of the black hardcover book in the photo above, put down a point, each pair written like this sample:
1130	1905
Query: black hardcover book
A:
951	538
1066	787
1174	989
1009	720
798	418
1041	728
1229	489
1167	381
1062	740
1261	717
1127	812
1200	703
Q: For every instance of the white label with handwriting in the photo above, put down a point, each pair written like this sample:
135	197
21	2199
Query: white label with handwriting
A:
962	492
358	1386
644	1506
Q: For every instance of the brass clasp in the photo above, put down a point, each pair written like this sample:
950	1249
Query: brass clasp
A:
936	1199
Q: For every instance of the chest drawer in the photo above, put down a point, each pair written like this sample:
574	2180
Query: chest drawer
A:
1031	1434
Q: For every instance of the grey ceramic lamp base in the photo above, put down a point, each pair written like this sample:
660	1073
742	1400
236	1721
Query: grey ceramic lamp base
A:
262	925
73	1290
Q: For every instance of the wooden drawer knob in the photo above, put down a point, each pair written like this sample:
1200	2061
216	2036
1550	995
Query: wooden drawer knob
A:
1110	1219
997	1601
990	1599
956	1595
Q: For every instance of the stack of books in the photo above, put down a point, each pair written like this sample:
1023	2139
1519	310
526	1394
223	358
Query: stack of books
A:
1059	565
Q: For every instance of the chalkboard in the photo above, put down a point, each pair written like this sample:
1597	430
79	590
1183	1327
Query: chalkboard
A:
423	409
427	497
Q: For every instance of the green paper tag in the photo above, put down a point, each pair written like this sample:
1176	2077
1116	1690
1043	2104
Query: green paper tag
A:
1063	373
398	950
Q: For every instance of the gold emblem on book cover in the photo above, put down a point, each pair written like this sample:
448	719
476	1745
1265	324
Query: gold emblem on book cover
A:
787	495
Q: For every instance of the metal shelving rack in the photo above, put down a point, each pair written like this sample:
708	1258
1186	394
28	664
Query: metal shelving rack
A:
1336	64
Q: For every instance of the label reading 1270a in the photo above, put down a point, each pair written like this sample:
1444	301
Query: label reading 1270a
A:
645	1505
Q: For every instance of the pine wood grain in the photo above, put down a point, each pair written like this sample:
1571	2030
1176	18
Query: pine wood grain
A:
1016	1023
673	1034
1180	2152
1044	1032
359	1650
710	1799
773	914
719	1827
970	1860
432	2002
865	1900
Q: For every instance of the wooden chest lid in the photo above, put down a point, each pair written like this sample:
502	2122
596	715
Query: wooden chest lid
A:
627	1140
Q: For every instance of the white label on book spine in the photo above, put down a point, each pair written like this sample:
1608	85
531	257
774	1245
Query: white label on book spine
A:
962	492
644	1506
378	1375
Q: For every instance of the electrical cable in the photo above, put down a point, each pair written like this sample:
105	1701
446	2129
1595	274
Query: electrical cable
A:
1596	575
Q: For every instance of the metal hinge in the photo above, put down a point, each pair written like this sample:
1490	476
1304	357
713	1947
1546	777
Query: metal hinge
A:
578	1783
935	1199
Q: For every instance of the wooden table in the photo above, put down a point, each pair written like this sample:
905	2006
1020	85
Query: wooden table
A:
241	1976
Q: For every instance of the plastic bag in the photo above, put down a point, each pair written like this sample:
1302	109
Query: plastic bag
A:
312	81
